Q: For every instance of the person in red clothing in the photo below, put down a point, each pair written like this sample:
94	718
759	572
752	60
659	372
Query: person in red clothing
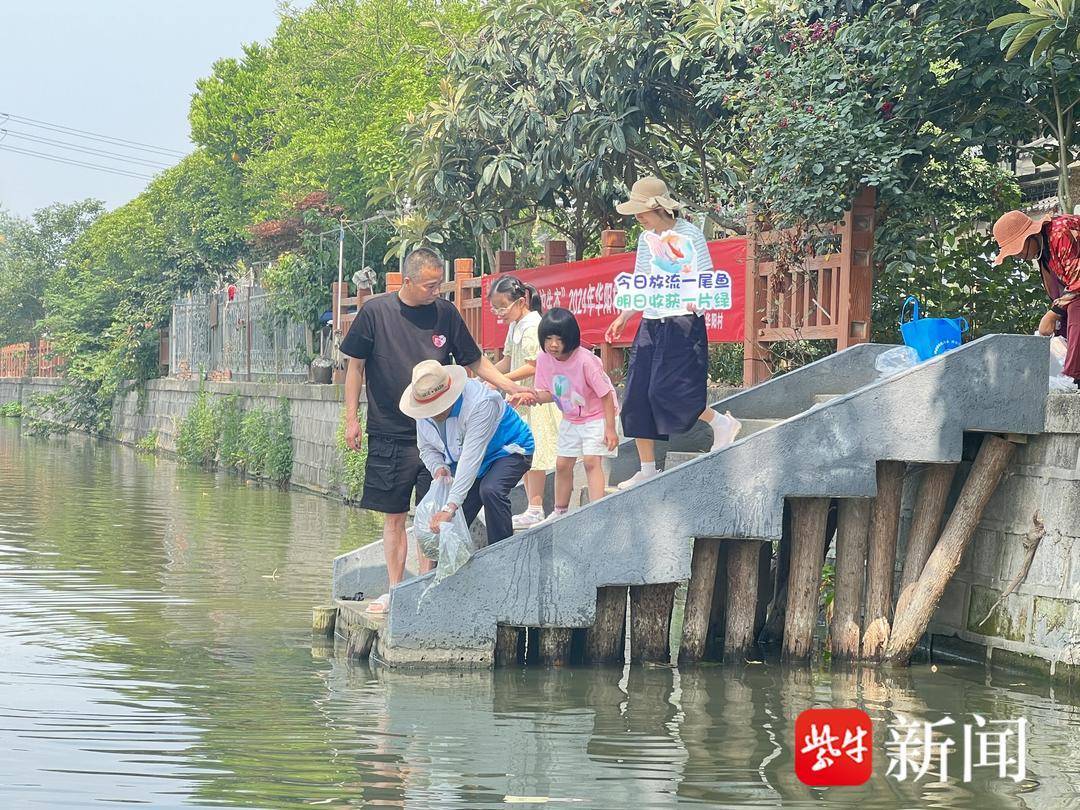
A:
1053	242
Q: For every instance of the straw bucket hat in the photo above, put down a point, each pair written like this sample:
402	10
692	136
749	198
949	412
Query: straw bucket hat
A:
1012	231
648	194
434	389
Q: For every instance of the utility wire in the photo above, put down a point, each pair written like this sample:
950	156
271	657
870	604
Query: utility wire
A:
87	150
93	136
58	159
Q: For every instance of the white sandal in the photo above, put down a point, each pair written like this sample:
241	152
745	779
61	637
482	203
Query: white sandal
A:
379	606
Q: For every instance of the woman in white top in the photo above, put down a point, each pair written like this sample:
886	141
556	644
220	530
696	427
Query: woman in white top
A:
669	361
519	305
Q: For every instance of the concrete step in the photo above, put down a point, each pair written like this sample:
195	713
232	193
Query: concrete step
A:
752	426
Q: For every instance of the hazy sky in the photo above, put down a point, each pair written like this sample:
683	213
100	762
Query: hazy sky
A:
122	68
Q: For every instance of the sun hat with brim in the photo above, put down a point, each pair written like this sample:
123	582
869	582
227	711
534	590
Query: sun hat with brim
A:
434	389
648	194
1012	231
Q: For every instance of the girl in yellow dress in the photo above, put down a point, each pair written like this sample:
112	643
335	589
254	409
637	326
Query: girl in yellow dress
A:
519	306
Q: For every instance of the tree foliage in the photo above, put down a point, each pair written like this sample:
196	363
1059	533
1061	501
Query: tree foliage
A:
1048	88
30	252
553	107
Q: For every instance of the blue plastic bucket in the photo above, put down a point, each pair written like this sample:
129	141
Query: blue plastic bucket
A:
930	337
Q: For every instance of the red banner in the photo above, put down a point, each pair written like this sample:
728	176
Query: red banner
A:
587	288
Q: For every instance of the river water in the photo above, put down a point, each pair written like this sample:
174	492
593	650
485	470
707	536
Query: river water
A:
155	648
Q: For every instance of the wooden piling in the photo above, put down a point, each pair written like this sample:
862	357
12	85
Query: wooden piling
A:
743	565
699	600
881	558
509	645
853	526
605	641
765	586
808	519
323	619
925	526
714	644
773	630
555	646
985	475
650	623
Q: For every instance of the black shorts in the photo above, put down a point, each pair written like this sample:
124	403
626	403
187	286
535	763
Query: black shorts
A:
392	474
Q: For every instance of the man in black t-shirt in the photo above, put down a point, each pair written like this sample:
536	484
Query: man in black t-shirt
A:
391	334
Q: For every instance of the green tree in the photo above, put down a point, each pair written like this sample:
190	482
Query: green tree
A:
554	107
901	99
31	251
1048	87
110	297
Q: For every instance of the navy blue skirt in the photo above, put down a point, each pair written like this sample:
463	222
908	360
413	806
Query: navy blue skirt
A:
665	384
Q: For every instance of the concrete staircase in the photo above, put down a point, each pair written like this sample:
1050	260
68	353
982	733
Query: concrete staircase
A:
815	432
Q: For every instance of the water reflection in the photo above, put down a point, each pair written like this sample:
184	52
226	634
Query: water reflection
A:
154	633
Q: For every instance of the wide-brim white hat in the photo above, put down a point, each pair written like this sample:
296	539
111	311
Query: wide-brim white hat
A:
434	389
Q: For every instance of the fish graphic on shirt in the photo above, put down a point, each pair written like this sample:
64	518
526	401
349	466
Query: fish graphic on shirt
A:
671	252
566	398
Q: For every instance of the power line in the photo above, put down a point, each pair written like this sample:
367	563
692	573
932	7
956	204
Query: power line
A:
93	136
58	159
87	150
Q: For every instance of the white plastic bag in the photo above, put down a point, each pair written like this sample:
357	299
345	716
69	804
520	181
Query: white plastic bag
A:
1058	381
452	545
895	360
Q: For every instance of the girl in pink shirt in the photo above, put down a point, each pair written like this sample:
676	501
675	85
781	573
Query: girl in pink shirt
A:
574	379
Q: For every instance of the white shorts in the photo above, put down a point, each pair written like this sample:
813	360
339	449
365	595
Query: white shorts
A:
585	439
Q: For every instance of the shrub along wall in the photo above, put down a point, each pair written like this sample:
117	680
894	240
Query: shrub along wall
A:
243	426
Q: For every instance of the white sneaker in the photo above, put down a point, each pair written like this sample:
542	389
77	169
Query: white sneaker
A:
528	519
725	428
551	517
637	478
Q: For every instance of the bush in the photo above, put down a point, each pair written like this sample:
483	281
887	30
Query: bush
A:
266	443
13	409
254	439
353	463
197	439
279	453
230	442
148	443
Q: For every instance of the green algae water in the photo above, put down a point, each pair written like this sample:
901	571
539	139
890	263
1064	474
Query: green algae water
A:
155	649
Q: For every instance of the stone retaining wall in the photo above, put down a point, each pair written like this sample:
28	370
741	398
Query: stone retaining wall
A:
315	409
316	414
1038	626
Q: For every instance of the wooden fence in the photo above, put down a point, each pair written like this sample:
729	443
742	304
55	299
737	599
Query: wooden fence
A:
29	360
812	283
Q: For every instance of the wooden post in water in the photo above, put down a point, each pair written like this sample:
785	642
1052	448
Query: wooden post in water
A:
714	644
323	619
852	528
925	526
605	641
650	623
699	600
808	519
509	645
881	558
773	630
765	587
743	566
982	481
555	646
